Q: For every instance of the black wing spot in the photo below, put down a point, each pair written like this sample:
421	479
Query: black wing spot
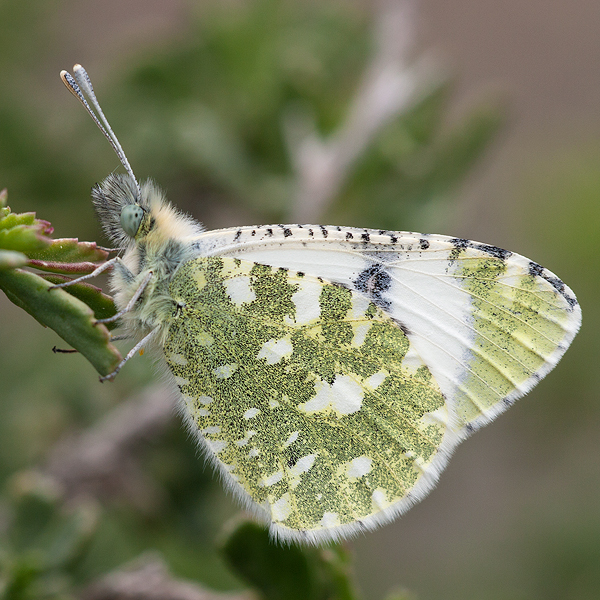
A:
424	244
311	233
493	251
349	236
287	232
459	246
405	330
324	231
269	232
536	270
459	243
393	239
365	237
238	235
373	282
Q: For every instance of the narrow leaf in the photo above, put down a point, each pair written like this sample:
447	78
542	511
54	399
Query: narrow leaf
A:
79	268
70	250
70	318
102	304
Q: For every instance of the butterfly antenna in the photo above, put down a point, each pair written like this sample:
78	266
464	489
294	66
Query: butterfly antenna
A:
81	86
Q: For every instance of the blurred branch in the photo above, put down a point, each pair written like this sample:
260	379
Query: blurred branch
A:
148	578
390	86
101	462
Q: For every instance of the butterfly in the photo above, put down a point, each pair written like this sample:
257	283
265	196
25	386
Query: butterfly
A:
327	372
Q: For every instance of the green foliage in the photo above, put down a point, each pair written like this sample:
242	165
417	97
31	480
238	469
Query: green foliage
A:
218	102
43	541
214	113
70	311
288	572
415	162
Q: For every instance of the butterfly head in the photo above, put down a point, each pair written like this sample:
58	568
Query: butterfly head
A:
122	206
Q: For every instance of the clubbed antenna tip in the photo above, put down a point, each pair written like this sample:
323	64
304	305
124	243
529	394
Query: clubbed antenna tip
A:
80	85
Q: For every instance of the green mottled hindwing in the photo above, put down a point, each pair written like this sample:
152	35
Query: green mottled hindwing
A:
308	395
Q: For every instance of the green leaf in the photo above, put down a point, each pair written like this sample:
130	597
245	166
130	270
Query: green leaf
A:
70	250
102	304
72	320
15	219
25	241
288	572
22	232
23	238
9	259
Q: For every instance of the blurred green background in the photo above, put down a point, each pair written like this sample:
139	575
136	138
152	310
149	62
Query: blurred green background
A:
201	95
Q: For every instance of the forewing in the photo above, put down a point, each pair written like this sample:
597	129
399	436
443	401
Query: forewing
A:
488	323
311	400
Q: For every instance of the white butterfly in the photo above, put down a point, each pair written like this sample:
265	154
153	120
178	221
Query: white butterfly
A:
327	372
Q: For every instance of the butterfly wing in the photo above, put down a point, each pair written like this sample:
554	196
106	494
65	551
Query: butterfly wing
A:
306	395
329	372
488	323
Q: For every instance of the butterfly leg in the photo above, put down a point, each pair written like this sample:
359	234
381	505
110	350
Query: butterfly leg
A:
109	264
131	303
141	344
121	336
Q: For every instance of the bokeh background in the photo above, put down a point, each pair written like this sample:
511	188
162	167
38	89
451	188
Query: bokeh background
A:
210	98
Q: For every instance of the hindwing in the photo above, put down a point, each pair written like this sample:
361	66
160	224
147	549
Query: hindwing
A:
329	372
308	396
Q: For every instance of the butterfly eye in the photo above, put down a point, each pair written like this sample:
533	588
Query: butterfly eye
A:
131	218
